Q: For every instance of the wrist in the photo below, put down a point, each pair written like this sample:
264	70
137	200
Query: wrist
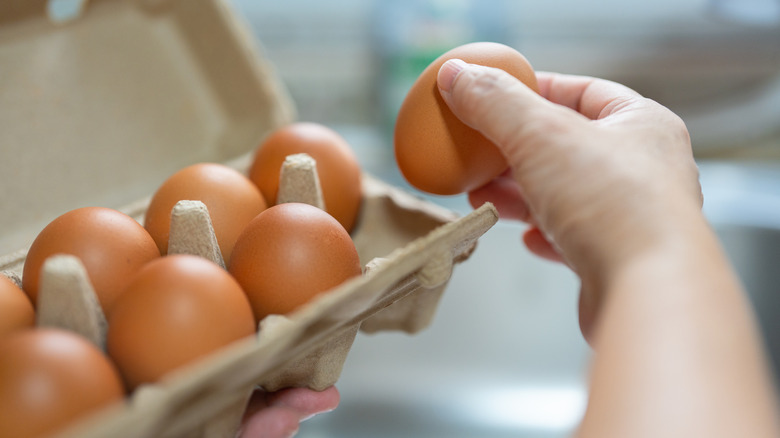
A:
638	249
672	228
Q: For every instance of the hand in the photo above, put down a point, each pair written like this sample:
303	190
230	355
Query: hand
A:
278	414
597	170
607	181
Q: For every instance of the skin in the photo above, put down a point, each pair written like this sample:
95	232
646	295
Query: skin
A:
607	182
279	414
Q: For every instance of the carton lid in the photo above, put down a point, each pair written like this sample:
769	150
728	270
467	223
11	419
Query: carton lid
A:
99	110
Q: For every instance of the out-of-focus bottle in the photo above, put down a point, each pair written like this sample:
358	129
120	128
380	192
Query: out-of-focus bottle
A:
410	34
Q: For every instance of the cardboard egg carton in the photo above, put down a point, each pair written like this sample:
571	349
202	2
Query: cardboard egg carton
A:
306	348
121	89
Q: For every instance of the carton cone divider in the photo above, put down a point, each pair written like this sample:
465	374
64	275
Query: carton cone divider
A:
300	182
67	300
191	232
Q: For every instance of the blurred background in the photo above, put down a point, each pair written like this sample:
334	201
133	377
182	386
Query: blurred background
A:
504	356
715	62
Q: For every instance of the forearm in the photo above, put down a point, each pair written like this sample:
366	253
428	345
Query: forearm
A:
677	352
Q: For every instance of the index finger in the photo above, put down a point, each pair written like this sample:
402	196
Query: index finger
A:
592	97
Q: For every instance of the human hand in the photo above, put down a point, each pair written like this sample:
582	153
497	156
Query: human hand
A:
607	181
599	172
279	414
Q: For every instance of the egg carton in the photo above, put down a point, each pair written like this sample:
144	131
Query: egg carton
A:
306	348
191	56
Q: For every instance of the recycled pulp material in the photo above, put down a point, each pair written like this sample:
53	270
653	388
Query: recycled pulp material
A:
305	348
100	110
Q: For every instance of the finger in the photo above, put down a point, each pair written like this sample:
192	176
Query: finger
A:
271	422
594	98
505	195
303	401
306	401
539	245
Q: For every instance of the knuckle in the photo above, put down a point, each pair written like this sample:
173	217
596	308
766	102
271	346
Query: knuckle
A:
481	88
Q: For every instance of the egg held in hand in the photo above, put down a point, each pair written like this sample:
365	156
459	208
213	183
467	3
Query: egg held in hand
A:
337	167
435	151
289	254
111	245
231	198
176	310
50	378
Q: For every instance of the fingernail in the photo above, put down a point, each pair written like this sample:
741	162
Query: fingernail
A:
309	417
448	72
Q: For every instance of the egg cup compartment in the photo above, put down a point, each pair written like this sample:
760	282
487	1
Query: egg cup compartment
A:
319	368
416	311
394	210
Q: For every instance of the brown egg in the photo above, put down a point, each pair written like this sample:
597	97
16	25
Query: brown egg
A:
111	245
16	310
179	308
435	151
337	167
290	253
230	197
50	378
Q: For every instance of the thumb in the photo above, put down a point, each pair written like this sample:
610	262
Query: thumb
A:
503	109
